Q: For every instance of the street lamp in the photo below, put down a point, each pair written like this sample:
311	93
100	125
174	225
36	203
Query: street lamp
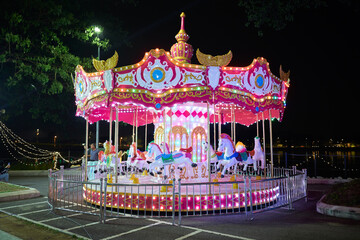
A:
97	31
120	141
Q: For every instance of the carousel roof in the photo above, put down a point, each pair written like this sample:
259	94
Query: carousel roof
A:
163	79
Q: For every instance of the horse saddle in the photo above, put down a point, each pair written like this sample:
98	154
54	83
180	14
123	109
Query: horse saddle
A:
167	158
220	155
186	150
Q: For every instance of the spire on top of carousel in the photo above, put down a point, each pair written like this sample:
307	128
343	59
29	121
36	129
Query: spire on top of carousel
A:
182	51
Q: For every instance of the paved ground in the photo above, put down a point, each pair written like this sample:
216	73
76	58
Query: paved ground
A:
302	223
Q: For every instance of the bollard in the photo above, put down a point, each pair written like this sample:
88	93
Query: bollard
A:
286	160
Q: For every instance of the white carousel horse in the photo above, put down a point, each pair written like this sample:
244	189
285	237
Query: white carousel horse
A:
258	153
136	159
232	157
163	159
215	158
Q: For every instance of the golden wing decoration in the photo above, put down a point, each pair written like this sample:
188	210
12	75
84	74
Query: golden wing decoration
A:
110	63
284	75
208	60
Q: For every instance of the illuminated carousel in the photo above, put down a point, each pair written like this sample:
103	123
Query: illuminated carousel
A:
181	99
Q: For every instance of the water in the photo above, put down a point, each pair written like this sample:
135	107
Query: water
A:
319	163
328	164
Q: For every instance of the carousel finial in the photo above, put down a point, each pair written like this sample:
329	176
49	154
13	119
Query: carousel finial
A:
182	51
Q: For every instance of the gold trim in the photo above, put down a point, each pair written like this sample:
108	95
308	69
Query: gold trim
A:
110	63
208	60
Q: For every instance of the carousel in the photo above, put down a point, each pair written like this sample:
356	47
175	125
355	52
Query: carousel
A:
181	99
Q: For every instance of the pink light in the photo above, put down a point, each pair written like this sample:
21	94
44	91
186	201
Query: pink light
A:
222	205
197	207
189	198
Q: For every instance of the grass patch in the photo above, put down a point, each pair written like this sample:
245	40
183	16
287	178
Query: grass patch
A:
5	187
27	230
344	194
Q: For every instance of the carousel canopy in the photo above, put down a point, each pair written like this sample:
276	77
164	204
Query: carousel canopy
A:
163	80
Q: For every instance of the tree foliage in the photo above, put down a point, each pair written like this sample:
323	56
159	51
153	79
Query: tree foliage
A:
274	14
36	61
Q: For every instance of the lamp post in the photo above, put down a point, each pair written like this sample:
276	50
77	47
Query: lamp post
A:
97	31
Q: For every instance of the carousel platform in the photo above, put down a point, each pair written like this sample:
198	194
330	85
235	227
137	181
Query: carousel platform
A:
150	195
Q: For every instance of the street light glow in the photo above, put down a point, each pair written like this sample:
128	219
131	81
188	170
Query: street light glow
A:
97	30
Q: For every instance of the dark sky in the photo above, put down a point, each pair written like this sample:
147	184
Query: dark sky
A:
320	47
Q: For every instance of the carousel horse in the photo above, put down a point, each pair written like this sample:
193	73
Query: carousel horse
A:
107	159
136	159
232	157
186	151
215	157
163	159
258	153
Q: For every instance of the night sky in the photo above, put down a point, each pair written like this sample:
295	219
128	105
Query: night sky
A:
320	48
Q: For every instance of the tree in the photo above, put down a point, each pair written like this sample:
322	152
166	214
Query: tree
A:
275	14
35	58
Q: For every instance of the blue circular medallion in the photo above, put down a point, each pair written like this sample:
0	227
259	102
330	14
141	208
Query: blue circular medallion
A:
259	81
257	109
81	87
157	74
158	106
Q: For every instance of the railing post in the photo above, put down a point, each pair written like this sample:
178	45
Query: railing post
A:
305	182
315	166
179	201
105	200
286	160
173	202
289	191
345	172
251	201
101	200
62	172
245	196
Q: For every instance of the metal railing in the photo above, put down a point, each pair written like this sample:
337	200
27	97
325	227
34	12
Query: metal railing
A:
69	191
